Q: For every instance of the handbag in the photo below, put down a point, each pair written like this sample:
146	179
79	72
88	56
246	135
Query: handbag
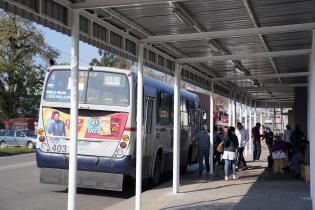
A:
220	147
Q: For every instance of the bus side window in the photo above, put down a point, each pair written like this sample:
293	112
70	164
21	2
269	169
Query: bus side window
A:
172	110
164	108
148	110
158	105
191	113
184	120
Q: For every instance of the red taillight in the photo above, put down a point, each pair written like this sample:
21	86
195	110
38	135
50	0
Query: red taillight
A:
123	145
41	138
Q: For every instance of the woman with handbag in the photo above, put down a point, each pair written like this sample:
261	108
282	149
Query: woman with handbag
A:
218	147
229	154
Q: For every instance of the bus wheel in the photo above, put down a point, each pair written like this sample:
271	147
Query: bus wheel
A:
157	171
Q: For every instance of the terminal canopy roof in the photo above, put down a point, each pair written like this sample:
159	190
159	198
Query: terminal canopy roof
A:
119	25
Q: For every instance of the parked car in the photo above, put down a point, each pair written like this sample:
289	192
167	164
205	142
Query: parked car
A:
25	138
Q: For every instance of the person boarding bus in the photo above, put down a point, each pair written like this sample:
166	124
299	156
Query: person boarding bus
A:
203	141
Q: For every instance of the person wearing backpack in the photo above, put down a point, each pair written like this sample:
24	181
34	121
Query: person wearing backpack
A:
229	154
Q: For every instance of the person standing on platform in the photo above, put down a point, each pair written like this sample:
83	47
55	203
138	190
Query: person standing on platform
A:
287	139
256	140
269	139
242	136
229	154
202	139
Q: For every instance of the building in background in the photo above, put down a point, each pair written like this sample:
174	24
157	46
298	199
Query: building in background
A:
20	123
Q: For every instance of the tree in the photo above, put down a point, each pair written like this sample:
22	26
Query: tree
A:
110	60
22	45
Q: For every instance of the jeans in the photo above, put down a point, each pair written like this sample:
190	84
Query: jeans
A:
257	150
289	148
297	160
203	153
240	157
269	148
226	167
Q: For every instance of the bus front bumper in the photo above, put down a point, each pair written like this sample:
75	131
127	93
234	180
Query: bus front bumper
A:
123	165
85	179
93	172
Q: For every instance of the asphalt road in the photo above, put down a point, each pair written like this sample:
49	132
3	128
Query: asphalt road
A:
20	189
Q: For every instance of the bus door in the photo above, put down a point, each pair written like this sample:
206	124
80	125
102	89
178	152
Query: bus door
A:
148	121
196	122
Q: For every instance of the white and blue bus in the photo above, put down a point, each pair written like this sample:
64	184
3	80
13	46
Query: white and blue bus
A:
107	127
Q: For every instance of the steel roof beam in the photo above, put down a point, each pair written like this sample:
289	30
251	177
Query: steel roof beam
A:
244	56
275	99
93	4
203	70
261	76
262	102
230	33
146	33
282	86
199	28
252	16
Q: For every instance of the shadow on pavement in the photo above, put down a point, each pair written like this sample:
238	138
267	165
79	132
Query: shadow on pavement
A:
268	191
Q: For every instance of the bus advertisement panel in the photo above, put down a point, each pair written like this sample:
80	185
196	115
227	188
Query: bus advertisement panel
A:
57	123
222	109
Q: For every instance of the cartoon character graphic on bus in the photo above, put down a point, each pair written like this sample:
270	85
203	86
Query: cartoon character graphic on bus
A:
57	126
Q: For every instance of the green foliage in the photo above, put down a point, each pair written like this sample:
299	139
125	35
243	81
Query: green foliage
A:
15	150
21	77
110	60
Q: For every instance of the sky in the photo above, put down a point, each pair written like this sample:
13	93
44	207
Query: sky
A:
62	43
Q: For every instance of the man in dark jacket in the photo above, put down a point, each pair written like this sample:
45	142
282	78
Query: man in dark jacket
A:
203	141
256	140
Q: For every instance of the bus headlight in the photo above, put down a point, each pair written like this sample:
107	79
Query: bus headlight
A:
119	152
45	147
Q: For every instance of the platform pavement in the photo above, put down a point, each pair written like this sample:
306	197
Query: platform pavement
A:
256	189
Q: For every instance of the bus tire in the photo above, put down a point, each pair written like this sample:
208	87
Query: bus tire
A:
157	171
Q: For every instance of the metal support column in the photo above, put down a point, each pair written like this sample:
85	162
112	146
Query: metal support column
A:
261	119
234	112
211	128
282	118
230	112
249	128
72	179
312	120
274	121
245	114
241	110
245	124
176	151
255	114
139	128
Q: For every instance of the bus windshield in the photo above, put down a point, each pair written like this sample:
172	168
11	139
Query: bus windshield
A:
95	87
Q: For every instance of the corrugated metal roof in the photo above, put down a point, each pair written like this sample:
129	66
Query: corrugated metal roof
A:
119	34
